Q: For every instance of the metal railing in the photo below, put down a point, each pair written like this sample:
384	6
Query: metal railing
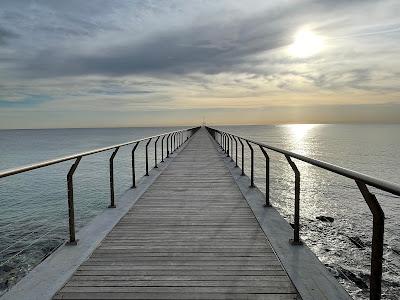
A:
174	140
226	140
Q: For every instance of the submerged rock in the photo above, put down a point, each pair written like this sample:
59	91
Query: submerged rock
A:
3	285
325	219
347	275
396	251
359	282
357	241
5	269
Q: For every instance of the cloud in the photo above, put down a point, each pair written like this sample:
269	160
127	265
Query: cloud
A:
145	55
5	35
26	102
196	49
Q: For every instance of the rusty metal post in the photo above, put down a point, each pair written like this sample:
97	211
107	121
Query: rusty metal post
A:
155	153
71	210
378	221
251	164
296	230
236	153
168	144
112	196
172	142
223	142
147	157
133	165
227	144
231	146
162	148
241	143
267	202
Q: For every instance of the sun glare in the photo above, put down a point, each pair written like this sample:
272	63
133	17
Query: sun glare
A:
306	43
299	131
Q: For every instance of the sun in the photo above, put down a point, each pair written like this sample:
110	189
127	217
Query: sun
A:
306	44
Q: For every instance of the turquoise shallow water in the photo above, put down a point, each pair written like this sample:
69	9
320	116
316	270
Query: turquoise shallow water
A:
33	205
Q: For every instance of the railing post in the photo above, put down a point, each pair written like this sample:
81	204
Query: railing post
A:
231	147
241	143
162	148
147	157
378	221
133	165
236	153
155	153
175	141
296	230
227	144
172	143
112	202
267	202
251	164
168	144
71	210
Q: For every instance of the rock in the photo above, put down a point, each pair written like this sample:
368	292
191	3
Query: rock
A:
354	278
396	251
357	241
4	285
325	219
5	269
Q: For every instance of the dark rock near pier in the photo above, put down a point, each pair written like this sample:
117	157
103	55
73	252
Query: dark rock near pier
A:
348	275
357	241
325	219
396	251
354	278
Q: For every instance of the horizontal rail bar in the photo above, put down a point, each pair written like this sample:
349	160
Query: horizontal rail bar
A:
13	171
384	185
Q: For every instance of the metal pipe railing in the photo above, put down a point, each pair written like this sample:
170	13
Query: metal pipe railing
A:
78	157
362	182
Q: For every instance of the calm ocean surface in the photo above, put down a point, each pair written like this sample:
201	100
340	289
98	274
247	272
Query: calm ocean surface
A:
33	216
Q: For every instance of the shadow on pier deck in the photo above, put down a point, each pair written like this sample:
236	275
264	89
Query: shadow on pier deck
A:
195	231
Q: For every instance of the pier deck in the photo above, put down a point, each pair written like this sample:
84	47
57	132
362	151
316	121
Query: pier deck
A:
191	235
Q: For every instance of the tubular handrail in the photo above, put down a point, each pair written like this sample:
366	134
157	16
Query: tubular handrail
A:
361	180
384	185
78	156
18	170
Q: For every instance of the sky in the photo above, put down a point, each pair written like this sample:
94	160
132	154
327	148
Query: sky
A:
152	63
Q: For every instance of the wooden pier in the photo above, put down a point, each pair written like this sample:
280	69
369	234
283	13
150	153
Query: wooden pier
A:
191	235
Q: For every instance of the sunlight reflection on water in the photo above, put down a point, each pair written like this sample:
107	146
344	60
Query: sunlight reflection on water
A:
371	149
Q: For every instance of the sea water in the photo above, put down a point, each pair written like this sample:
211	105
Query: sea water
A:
33	215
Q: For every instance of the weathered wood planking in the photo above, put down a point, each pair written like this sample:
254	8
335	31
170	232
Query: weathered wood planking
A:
190	236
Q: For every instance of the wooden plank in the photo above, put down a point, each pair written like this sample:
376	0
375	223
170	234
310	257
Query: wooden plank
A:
173	296
190	236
